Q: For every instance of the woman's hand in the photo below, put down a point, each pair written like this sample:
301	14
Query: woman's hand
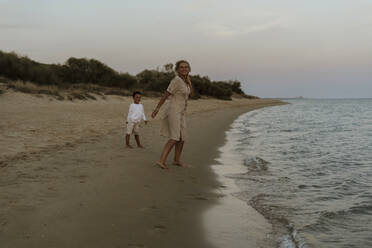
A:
162	100
155	112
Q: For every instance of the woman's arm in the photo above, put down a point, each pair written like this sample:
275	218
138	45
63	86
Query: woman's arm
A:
162	100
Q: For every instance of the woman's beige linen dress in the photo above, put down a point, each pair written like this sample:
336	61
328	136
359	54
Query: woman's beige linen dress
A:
174	120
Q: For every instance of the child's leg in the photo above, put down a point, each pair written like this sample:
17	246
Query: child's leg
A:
130	126
136	136
127	140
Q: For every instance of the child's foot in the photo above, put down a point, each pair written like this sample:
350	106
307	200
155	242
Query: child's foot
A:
179	163
163	166
129	146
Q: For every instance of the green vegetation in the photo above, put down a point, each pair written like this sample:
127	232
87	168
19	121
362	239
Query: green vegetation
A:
93	76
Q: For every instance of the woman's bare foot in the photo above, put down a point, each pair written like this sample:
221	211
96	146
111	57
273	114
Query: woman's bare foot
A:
179	163
140	146
163	166
129	146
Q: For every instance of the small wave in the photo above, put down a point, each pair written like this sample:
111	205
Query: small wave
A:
256	163
288	237
292	240
286	242
330	215
342	219
362	209
365	209
286	130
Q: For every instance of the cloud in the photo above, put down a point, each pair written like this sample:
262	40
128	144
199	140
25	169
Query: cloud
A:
229	30
16	26
235	22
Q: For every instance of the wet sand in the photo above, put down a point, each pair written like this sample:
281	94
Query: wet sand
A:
68	181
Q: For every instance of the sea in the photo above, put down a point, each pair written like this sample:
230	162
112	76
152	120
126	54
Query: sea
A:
306	167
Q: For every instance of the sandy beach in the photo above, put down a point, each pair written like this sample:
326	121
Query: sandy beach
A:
68	181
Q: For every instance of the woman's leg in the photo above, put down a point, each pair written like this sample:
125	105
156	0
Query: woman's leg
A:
180	143
167	148
177	153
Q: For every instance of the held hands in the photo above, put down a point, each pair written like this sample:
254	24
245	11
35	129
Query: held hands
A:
155	113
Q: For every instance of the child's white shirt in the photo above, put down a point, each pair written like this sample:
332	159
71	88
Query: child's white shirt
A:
136	113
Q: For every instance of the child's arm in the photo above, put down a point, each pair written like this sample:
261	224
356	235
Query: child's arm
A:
129	113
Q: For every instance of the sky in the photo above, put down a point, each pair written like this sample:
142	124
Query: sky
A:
275	48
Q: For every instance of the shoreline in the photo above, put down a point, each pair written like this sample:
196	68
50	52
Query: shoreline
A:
99	194
242	225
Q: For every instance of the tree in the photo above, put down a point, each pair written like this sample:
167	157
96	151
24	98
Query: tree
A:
168	67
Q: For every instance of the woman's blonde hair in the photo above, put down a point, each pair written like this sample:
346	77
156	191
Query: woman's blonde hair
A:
178	63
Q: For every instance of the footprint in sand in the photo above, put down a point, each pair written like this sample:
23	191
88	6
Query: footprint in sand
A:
136	246
158	229
81	178
198	197
150	208
52	188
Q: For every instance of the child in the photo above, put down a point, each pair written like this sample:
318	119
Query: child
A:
135	115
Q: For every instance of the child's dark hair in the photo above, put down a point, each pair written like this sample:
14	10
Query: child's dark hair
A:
136	92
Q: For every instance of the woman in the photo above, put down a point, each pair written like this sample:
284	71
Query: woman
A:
174	120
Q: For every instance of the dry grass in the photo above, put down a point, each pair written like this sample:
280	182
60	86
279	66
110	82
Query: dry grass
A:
117	92
76	91
251	97
93	88
3	79
27	87
79	94
80	91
